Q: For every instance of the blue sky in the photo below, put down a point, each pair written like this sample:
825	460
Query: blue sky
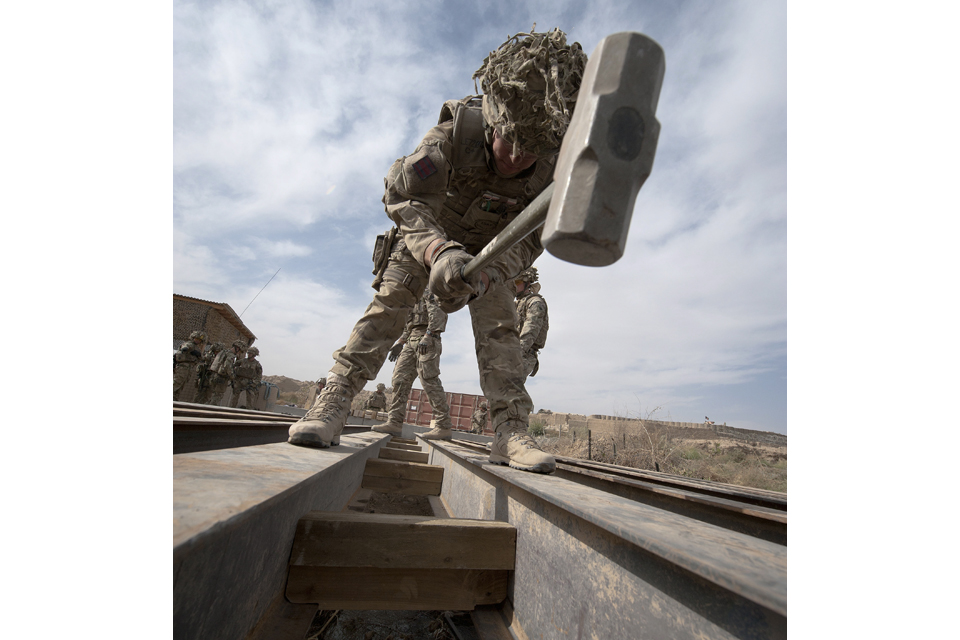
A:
287	115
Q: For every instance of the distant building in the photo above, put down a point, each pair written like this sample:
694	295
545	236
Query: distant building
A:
216	319
221	324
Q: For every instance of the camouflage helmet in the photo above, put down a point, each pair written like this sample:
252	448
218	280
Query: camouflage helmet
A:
198	334
530	86
216	347
254	351
529	276
239	344
381	387
483	405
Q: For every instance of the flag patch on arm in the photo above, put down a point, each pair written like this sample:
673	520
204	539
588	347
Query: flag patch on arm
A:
424	168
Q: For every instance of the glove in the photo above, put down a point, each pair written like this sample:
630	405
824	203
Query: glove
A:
446	283
426	343
395	352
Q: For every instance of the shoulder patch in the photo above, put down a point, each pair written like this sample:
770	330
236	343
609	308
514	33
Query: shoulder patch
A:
424	167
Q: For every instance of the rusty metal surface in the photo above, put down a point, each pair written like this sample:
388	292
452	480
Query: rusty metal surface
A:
235	512
594	564
198	427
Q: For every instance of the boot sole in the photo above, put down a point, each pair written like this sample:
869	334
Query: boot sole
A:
542	467
312	440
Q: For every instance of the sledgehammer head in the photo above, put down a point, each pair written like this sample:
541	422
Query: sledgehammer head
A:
607	152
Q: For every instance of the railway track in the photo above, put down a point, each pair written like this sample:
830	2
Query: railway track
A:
755	512
602	550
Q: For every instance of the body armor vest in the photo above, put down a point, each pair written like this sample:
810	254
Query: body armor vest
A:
480	203
418	315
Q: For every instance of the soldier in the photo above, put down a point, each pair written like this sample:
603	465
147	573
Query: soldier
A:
417	353
205	373
378	401
185	360
472	174
249	371
478	422
532	320
222	373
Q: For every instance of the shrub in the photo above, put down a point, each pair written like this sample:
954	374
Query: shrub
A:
535	429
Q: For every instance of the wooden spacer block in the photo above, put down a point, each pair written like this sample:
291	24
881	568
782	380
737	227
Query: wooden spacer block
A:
410	478
366	588
390	541
399	445
404	456
354	561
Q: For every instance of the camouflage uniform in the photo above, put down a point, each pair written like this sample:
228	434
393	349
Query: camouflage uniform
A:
478	422
532	321
221	374
185	361
378	400
249	372
205	373
425	319
450	196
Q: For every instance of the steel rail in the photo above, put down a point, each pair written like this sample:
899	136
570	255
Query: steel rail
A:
722	564
753	503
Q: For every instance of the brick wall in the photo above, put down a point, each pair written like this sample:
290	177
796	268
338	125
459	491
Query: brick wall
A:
190	316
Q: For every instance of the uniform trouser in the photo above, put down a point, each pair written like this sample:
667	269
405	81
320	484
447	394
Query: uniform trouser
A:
411	364
215	387
180	377
251	389
494	319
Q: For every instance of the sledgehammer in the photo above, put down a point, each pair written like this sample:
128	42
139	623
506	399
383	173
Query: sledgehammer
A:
606	155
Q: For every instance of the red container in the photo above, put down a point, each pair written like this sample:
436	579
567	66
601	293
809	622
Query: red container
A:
462	406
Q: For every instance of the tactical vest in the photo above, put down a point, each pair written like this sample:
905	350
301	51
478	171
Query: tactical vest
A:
479	203
541	340
418	315
220	364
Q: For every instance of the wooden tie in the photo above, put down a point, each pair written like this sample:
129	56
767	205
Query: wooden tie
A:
362	561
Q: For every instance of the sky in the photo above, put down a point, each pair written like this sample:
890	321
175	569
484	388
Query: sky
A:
286	116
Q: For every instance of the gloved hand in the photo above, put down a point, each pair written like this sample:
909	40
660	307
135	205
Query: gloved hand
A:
446	283
426	343
395	352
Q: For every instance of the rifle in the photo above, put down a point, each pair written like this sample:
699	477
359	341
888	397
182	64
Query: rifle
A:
202	376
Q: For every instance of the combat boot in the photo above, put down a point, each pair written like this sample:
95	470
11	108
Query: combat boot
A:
322	425
514	446
437	432
391	426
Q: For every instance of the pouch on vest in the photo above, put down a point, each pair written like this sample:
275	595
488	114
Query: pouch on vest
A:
381	255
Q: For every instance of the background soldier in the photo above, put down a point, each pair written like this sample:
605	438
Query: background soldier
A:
532	320
204	373
221	374
417	353
249	372
478	422
471	175
185	361
378	401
